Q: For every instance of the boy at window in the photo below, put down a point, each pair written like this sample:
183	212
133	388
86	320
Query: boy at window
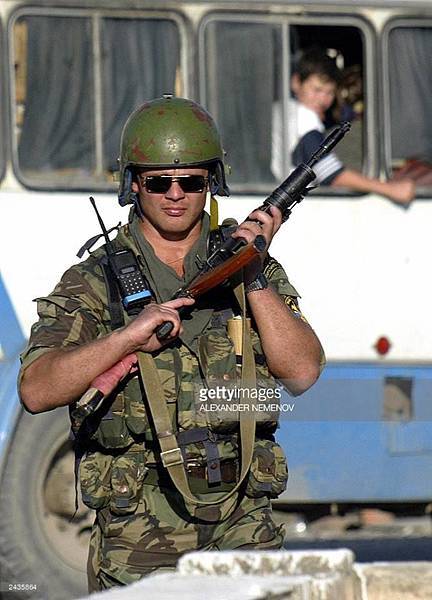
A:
314	83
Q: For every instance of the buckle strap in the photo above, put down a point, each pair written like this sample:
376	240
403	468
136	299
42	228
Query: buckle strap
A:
161	418
172	457
191	436
201	434
208	438
213	462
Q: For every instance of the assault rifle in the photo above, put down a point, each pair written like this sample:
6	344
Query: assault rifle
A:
236	253
224	262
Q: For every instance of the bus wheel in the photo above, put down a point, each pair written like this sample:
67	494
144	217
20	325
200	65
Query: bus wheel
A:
40	545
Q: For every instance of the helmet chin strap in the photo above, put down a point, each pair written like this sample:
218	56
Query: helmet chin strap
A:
128	196
218	183
214	213
137	206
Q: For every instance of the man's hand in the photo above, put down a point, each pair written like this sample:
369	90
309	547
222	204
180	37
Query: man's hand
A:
141	336
268	225
140	332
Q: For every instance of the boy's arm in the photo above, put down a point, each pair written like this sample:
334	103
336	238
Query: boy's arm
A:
401	192
331	171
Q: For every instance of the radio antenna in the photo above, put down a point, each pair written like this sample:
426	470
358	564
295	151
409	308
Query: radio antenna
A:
102	224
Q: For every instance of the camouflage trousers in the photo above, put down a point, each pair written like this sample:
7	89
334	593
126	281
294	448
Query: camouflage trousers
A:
125	548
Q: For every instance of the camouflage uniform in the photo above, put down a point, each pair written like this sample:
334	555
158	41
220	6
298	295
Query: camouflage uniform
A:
142	522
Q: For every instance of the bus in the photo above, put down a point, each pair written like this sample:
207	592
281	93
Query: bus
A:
71	72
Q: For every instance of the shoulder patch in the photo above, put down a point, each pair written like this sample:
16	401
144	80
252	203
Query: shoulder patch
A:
292	303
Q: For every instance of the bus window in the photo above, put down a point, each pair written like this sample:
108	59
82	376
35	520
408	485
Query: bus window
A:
243	71
345	45
54	97
255	59
410	90
144	79
73	92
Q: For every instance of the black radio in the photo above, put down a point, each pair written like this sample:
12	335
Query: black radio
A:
134	288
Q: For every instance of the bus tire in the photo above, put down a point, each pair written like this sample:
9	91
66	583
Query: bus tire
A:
42	553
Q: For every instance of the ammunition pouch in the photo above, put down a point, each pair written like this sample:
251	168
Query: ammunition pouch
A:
117	481
114	481
268	475
95	479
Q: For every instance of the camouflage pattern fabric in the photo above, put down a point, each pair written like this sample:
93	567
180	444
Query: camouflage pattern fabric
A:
125	548
140	526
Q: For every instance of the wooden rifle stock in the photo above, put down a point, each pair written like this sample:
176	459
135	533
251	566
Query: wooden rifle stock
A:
211	279
204	282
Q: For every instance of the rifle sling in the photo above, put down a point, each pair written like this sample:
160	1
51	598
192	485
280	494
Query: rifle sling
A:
171	455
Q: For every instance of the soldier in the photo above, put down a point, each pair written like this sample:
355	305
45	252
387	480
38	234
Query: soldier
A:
154	501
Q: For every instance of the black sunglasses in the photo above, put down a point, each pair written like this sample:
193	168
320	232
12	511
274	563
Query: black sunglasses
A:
160	184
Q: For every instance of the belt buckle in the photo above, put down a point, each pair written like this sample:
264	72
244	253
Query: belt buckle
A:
192	464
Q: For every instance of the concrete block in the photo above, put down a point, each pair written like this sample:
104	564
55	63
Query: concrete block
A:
281	563
168	586
335	587
331	571
396	580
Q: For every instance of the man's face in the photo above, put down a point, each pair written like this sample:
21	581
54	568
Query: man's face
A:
171	210
315	93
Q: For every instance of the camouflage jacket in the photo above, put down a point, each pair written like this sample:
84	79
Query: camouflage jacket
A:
77	312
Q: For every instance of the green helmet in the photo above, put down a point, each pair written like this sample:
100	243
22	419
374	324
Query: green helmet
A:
170	132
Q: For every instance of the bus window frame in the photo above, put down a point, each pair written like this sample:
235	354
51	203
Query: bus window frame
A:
4	138
370	166
94	15
394	23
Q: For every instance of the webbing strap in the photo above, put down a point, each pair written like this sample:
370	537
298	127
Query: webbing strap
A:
214	213
171	455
